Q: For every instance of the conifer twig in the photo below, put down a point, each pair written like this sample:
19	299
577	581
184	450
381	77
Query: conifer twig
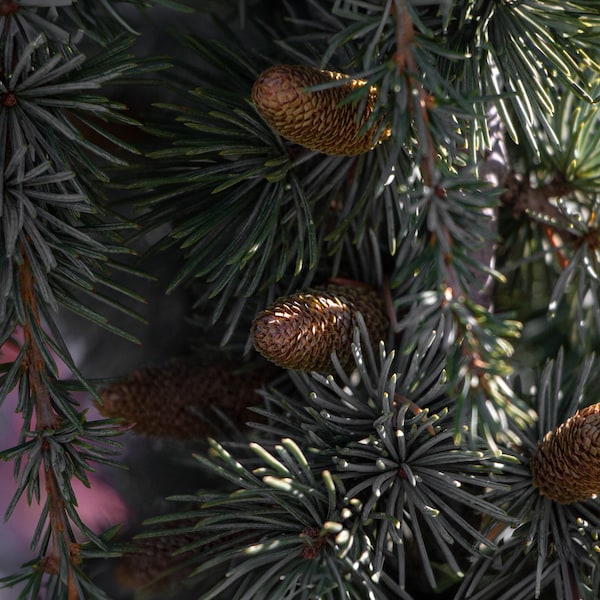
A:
522	197
493	169
47	419
405	60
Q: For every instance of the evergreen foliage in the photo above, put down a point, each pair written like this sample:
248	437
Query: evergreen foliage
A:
401	466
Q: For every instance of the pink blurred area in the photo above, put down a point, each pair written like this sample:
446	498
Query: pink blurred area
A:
99	505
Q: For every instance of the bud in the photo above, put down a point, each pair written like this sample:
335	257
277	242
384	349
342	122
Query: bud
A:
175	400
566	464
301	331
315	120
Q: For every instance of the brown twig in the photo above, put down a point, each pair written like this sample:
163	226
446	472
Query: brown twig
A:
46	419
415	409
521	197
407	65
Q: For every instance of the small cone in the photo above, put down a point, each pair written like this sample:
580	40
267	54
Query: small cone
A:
176	400
566	464
301	331
155	563
314	120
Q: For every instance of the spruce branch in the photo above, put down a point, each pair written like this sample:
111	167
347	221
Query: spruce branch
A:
407	65
558	195
389	436
433	455
536	49
238	163
562	534
427	436
59	448
56	242
295	519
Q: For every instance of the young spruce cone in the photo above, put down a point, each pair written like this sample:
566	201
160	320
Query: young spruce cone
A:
301	331
155	563
314	120
566	464
175	400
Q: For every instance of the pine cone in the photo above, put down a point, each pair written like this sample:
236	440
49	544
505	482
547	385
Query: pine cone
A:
314	120
176	400
147	565
301	331
566	464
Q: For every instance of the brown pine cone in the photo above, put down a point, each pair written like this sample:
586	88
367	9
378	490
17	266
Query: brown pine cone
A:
301	331
175	400
156	564
314	120
566	464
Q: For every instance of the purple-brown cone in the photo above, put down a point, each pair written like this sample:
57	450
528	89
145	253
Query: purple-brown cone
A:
150	561
301	331
175	400
315	119
566	464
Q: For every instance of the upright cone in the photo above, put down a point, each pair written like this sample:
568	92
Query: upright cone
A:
315	119
301	331
566	464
